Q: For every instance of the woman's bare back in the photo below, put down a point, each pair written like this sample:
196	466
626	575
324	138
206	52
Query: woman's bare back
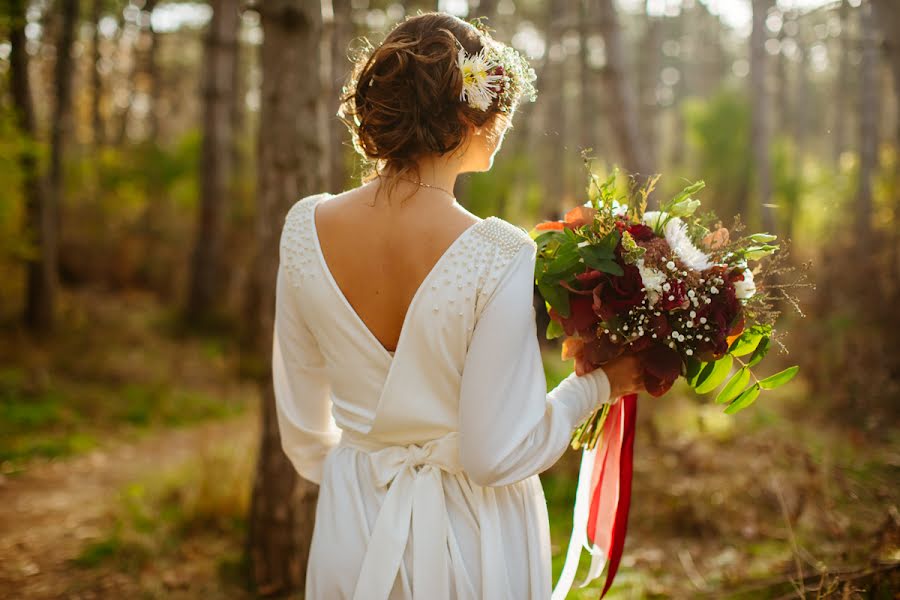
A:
379	252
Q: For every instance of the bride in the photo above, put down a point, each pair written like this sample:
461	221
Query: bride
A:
408	377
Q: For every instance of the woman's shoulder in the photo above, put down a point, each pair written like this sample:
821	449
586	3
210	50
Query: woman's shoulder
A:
304	204
506	236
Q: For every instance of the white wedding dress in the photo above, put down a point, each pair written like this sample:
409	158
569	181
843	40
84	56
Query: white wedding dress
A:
428	458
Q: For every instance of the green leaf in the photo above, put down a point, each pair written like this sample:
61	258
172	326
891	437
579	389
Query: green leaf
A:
555	330
745	344
757	252
778	379
556	296
713	374
685	208
760	352
746	398
565	260
685	193
693	367
592	254
610	241
763	238
734	386
547	237
609	266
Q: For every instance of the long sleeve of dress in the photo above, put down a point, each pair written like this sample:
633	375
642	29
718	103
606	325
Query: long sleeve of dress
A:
302	389
510	427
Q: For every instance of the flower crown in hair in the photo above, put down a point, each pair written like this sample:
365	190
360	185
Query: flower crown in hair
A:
496	71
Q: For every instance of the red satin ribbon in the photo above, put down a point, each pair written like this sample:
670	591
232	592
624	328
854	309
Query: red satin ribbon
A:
611	484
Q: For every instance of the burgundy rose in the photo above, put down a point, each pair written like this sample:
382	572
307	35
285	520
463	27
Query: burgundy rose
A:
659	325
581	316
639	343
640	232
601	350
617	294
662	366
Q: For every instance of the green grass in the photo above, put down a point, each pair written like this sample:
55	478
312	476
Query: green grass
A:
115	369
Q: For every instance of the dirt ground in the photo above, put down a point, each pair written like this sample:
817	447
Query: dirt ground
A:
49	512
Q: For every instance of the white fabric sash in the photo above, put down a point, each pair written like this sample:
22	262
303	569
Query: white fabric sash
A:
415	494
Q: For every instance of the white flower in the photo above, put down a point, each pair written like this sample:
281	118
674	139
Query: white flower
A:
677	237
652	279
479	87
746	288
652	218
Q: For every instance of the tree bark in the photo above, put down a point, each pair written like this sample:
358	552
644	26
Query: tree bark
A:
99	135
554	118
623	102
217	161
40	289
282	510
759	128
887	14
153	77
868	131
842	84
341	32
648	76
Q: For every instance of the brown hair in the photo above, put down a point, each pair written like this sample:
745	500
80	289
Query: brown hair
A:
402	100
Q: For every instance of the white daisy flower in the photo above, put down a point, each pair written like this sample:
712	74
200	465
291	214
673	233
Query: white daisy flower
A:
677	236
652	279
479	86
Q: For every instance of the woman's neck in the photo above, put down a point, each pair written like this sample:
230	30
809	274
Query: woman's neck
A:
439	172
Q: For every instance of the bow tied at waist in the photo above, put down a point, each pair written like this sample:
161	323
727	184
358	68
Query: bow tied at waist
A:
412	474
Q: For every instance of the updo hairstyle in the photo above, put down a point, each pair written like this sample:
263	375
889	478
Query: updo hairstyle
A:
402	101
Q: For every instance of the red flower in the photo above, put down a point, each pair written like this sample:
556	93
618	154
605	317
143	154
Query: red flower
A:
659	325
725	318
640	232
662	366
617	294
678	294
581	316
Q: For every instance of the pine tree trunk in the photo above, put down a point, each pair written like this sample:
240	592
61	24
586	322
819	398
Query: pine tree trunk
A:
41	269
887	14
338	136
648	76
552	73
153	77
868	131
623	101
282	511
842	85
59	136
207	273
99	135
759	128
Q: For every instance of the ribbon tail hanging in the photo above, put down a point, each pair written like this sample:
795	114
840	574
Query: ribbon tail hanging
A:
617	481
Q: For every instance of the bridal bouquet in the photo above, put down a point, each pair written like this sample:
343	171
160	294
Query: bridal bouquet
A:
673	288
662	285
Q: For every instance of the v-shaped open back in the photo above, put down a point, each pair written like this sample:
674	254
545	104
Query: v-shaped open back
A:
346	302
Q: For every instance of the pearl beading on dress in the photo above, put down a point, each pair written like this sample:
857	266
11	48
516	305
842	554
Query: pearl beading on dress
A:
298	253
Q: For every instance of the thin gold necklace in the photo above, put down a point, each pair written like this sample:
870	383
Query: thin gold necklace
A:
428	185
